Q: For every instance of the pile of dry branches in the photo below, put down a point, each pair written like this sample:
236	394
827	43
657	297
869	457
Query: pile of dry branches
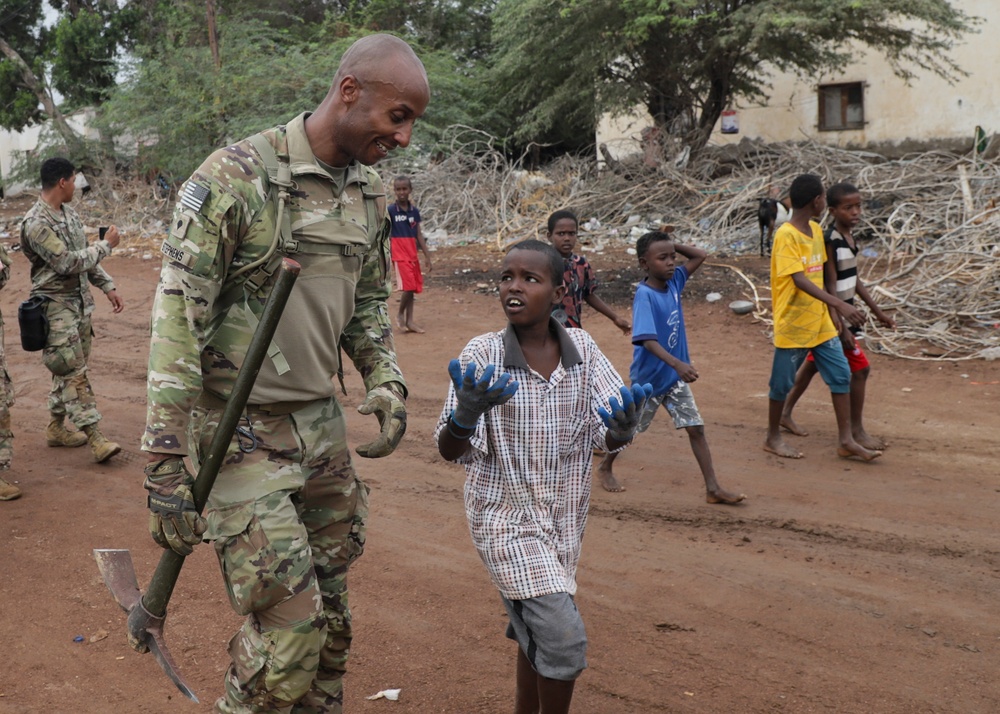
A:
929	254
927	235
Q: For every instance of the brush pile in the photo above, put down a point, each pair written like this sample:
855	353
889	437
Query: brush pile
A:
928	233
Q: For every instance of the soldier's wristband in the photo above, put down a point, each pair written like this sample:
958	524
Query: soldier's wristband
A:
174	503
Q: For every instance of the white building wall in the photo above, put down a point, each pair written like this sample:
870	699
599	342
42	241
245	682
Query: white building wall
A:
14	144
925	113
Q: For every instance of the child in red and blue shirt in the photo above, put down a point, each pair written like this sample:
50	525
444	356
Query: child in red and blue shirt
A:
407	236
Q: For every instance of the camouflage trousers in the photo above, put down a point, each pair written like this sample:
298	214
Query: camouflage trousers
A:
6	402
65	355
287	519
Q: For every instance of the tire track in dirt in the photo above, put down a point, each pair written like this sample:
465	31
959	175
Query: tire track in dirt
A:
826	534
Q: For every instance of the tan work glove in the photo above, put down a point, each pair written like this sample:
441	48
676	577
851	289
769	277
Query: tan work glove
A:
386	401
174	522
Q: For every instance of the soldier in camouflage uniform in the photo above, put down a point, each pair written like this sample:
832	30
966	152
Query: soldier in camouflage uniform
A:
288	513
8	491
63	267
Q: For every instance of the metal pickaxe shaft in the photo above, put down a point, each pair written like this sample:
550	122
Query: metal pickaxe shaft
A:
146	613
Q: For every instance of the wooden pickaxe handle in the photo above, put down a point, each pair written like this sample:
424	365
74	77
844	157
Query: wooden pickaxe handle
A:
161	587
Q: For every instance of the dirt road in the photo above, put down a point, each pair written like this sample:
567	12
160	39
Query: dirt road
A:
838	587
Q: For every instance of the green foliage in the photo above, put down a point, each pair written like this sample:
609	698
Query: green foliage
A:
177	108
685	60
83	50
19	23
542	80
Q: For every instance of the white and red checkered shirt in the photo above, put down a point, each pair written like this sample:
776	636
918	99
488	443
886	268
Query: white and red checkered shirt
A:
527	487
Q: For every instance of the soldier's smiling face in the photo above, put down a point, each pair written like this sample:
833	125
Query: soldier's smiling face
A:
383	109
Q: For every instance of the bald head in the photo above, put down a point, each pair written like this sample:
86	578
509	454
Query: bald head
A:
379	91
368	58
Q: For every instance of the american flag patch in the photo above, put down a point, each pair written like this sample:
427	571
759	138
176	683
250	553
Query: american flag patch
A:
193	196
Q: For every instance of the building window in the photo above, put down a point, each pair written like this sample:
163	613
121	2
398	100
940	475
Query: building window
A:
841	106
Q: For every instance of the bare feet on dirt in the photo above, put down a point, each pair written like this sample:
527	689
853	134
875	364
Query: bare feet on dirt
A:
872	443
779	448
855	449
608	481
720	495
408	326
789	425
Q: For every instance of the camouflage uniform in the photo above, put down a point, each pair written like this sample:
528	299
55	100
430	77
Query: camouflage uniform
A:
6	386
63	267
289	517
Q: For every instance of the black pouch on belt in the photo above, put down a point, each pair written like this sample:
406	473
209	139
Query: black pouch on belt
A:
34	324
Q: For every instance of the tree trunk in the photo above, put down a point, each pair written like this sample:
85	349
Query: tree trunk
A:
715	103
213	35
72	139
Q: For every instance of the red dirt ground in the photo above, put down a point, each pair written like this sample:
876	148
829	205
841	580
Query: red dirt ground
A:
838	587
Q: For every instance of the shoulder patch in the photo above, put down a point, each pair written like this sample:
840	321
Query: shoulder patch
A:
194	195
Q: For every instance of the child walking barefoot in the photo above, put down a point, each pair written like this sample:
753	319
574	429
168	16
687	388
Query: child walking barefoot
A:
526	441
660	354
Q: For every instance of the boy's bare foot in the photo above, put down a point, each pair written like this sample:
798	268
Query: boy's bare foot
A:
873	443
401	323
856	449
788	424
780	448
608	481
721	495
414	327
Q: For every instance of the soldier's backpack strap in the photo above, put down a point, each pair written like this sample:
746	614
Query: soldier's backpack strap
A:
371	196
279	178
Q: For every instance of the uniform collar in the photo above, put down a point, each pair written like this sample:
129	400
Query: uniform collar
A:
58	216
302	160
514	357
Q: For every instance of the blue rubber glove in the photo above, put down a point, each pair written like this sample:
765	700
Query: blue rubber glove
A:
623	419
477	396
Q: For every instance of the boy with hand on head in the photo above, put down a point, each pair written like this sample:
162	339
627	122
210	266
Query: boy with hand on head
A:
407	236
844	203
802	320
526	441
660	354
578	277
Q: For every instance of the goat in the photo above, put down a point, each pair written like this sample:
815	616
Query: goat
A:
767	214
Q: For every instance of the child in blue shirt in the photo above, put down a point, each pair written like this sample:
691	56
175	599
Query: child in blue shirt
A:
660	353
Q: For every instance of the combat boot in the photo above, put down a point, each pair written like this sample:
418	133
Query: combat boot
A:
8	491
102	448
56	434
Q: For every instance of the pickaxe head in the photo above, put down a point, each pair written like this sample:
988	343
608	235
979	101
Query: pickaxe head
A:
145	630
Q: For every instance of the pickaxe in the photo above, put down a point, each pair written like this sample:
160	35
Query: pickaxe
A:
146	613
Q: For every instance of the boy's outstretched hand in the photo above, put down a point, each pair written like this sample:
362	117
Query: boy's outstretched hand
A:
623	419
477	396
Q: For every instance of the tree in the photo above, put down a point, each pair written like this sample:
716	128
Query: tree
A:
74	58
686	60
178	108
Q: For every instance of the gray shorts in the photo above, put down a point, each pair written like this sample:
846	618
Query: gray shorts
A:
550	632
679	403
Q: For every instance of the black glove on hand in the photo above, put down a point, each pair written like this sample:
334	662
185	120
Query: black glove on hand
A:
174	522
623	419
386	401
476	397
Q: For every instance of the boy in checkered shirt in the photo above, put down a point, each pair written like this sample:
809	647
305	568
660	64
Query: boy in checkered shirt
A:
526	441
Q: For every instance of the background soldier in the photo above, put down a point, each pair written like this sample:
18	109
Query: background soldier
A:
287	512
63	267
8	491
